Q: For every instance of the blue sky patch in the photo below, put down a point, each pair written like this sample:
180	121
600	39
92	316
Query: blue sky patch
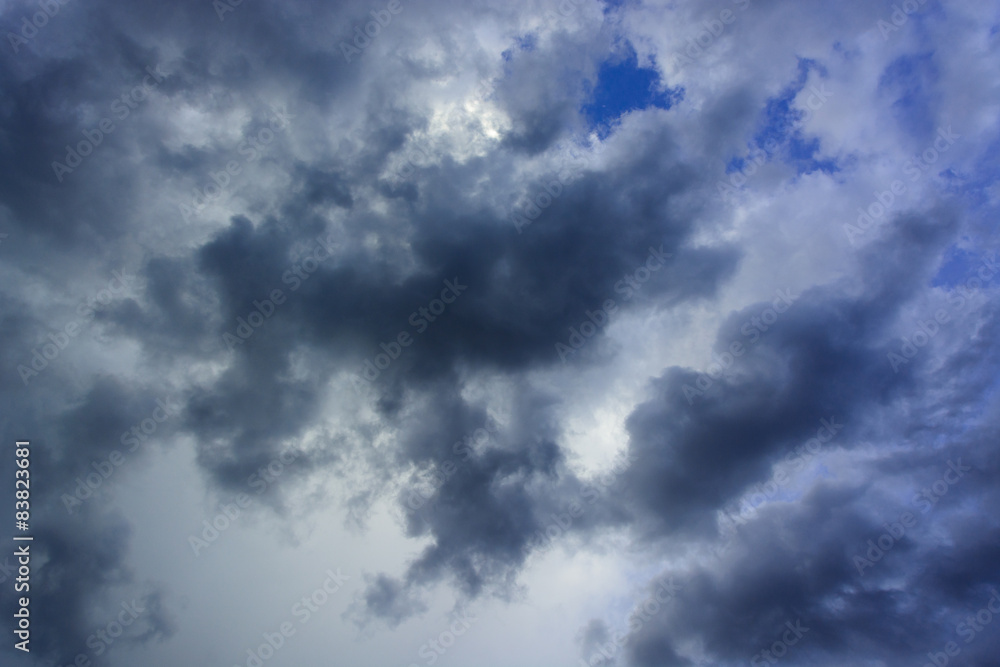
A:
956	269
523	43
623	86
780	125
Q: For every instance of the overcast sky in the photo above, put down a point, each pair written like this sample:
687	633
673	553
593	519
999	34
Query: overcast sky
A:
422	332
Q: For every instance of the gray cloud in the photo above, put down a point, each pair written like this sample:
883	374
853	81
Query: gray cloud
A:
265	292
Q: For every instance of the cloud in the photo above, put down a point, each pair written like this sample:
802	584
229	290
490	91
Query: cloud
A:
370	263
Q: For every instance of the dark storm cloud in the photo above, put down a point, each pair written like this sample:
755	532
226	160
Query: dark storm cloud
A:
221	64
385	598
523	293
177	312
84	563
392	241
56	90
519	297
80	549
541	90
490	487
826	357
796	564
823	357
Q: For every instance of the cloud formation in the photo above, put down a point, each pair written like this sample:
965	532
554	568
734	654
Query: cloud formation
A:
699	293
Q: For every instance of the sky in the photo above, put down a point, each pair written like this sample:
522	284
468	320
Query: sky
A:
402	333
